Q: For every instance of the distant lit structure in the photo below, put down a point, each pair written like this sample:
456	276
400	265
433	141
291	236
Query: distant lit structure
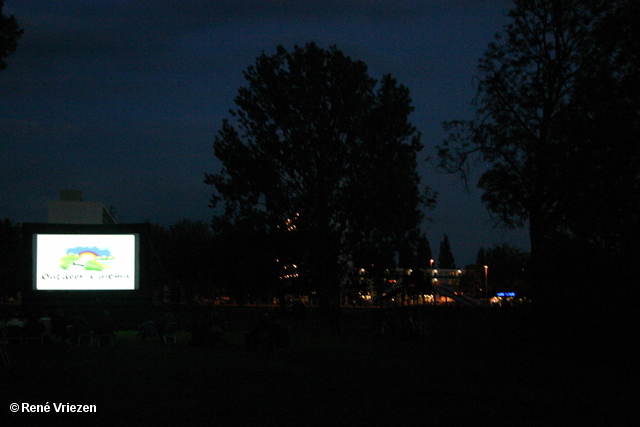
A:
71	209
446	276
288	268
444	287
486	280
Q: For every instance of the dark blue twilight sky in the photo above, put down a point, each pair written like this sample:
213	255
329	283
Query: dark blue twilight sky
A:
122	98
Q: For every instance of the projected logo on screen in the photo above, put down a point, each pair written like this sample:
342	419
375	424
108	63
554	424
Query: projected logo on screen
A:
92	259
86	261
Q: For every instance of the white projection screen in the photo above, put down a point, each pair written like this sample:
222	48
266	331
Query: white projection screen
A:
86	261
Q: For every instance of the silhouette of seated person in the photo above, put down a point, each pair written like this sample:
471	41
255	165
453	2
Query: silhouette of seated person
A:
80	331
299	311
14	333
3	325
147	329
260	337
14	328
167	327
105	327
207	330
45	320
59	325
16	320
33	328
199	332
267	334
216	327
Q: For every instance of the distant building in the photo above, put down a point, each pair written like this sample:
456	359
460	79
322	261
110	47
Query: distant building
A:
444	289
444	276
71	209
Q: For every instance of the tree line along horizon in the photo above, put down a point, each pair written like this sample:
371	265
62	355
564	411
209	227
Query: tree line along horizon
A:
188	258
557	121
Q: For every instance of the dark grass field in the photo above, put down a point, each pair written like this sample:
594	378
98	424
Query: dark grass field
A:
475	368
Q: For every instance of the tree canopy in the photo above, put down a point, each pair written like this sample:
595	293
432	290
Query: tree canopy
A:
445	256
558	107
315	138
10	32
507	266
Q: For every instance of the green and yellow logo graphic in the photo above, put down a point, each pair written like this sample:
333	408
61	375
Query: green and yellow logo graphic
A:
85	258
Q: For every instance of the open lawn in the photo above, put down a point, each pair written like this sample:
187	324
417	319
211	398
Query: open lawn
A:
475	368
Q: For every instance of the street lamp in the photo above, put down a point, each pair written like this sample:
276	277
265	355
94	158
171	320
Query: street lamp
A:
486	280
431	280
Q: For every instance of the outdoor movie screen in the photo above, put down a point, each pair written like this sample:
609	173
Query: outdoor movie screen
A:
86	261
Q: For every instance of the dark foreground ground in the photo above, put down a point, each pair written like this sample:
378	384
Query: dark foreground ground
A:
475	368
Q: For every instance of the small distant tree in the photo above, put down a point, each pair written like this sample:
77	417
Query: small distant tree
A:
424	254
415	252
445	257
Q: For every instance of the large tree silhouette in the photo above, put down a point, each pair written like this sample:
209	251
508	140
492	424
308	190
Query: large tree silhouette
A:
316	138
10	32
557	124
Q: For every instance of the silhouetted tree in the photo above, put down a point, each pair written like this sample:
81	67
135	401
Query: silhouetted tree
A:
597	250
190	256
10	32
445	256
407	257
245	266
508	267
13	258
481	258
472	281
557	122
314	135
415	252
424	253
159	258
